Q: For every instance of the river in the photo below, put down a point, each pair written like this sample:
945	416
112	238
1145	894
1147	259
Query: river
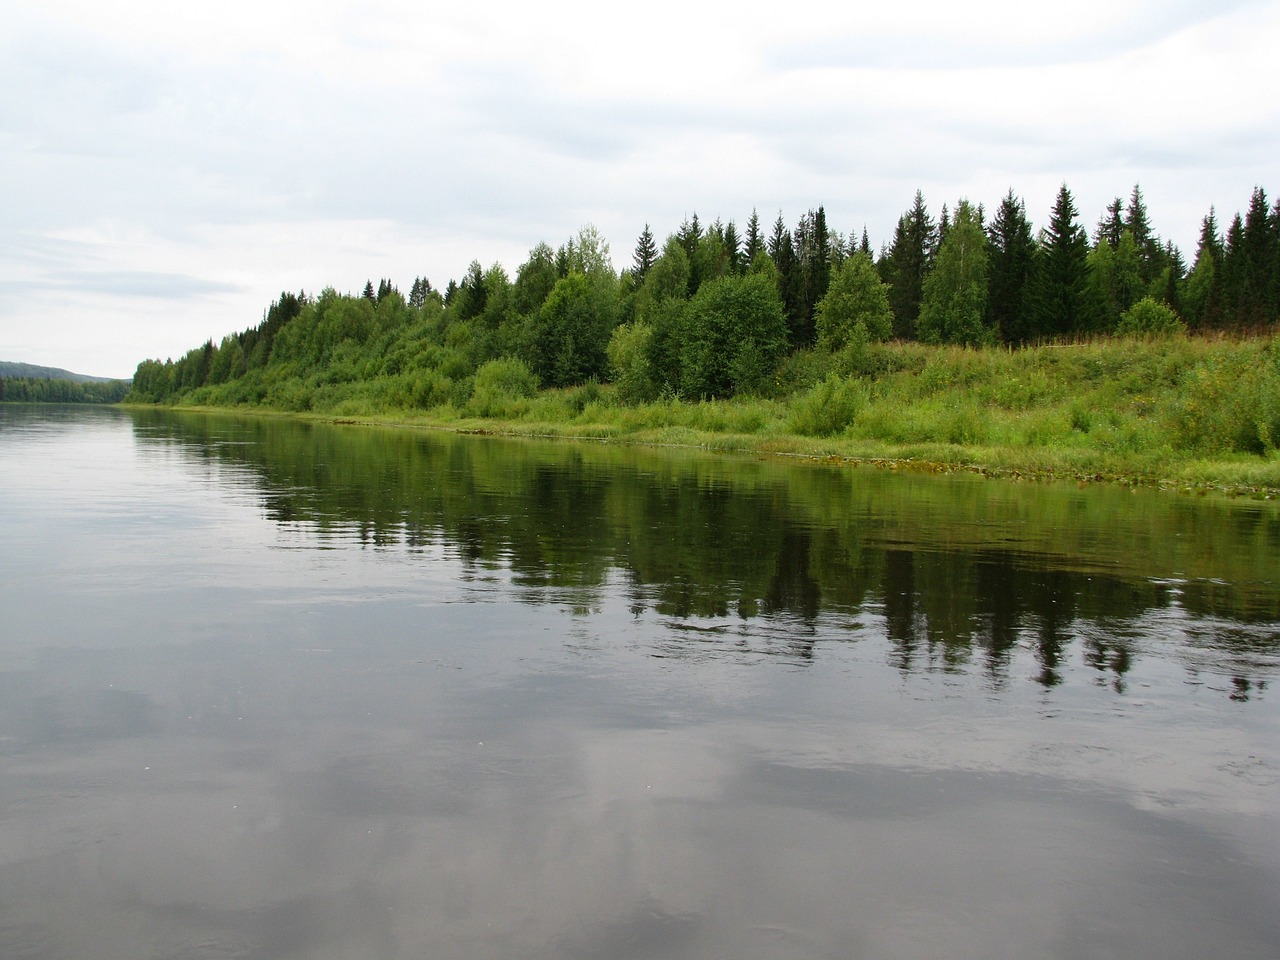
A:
274	689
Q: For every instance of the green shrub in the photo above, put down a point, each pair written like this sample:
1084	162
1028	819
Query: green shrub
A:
502	387
1149	318
828	408
629	361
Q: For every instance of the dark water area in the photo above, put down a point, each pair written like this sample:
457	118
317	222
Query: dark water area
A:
271	689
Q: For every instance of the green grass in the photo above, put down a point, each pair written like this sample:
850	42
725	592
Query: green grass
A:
1181	411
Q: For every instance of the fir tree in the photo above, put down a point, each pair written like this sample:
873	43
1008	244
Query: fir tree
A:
645	255
1110	225
908	263
1012	253
753	240
1062	299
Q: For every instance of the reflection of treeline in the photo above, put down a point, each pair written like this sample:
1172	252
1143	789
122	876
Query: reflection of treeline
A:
953	564
716	309
48	390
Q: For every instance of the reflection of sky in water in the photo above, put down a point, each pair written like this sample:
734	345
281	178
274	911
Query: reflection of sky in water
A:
234	736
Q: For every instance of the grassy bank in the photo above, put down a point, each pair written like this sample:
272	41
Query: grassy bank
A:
1182	411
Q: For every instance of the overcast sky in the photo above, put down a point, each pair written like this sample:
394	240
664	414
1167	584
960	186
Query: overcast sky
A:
169	169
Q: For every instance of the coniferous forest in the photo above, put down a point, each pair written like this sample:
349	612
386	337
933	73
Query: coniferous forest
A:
804	313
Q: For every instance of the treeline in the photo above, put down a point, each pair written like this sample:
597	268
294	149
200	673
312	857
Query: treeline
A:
716	309
50	390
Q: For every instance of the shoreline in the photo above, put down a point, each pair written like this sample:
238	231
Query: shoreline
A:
1236	477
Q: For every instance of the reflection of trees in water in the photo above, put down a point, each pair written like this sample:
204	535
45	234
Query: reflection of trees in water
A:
958	573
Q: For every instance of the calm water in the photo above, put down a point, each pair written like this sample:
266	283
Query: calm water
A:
271	690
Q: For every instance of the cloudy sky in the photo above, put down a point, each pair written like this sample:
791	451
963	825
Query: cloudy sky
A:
169	169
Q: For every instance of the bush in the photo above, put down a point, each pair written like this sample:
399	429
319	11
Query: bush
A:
1149	318
502	387
828	408
628	352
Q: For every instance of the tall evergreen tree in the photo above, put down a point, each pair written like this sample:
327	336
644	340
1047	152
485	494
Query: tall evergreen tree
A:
1063	301
753	240
1138	223
1110	225
1012	253
645	255
908	262
783	253
813	251
733	247
1257	256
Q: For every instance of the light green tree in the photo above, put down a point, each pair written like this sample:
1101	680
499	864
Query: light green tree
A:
855	306
954	309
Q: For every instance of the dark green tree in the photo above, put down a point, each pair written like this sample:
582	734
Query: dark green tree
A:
752	241
908	262
813	251
734	335
1012	253
645	254
1111	225
535	280
1062	299
782	252
571	332
1136	221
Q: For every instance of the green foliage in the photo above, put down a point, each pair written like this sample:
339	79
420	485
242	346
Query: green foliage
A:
572	330
1063	301
502	388
1012	254
909	261
955	293
667	279
855	306
630	364
1147	318
58	390
828	408
1229	403
734	335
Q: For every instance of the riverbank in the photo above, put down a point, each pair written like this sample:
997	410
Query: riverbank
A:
1184	412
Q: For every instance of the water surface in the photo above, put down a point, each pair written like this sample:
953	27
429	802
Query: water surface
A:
282	690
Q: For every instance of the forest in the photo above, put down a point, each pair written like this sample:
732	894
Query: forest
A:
59	390
811	333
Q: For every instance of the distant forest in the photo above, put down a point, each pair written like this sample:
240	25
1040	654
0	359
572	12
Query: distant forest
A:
29	383
715	309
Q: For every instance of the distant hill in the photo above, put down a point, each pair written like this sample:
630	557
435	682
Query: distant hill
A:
29	371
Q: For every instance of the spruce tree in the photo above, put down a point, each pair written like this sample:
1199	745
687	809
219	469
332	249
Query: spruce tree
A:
733	247
1258	254
908	263
753	240
783	253
1062	299
645	255
1110	225
1012	253
1138	224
